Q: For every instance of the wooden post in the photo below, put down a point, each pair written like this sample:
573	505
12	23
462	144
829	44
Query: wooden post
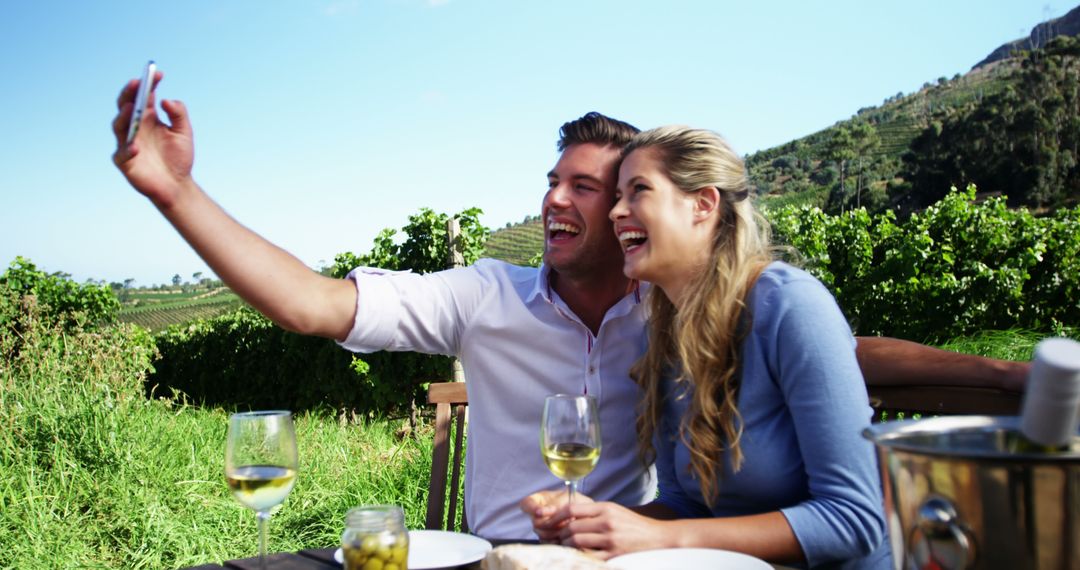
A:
455	259
453	236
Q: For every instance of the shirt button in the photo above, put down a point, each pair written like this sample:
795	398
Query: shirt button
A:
592	370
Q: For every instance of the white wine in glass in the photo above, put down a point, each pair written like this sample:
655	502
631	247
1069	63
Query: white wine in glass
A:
261	463
570	438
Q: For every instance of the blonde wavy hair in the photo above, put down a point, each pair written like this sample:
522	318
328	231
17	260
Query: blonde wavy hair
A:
701	342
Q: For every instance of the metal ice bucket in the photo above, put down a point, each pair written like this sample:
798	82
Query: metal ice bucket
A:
956	497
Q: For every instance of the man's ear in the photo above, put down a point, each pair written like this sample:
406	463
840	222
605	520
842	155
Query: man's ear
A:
706	202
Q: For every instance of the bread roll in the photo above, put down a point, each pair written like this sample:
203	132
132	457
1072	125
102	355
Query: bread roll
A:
539	557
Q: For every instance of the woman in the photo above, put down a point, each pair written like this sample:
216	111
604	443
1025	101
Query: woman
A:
753	402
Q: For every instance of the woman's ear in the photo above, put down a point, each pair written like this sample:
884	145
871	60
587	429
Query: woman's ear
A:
706	202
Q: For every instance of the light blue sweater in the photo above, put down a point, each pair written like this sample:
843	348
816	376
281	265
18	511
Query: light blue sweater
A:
803	405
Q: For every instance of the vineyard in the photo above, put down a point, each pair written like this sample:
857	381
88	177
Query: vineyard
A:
164	309
139	297
899	122
517	244
798	172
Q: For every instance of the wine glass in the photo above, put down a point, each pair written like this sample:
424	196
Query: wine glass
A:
570	438
261	463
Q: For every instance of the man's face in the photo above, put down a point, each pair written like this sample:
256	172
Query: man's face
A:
578	238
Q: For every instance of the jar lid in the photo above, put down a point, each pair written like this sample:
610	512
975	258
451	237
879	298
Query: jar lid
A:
375	517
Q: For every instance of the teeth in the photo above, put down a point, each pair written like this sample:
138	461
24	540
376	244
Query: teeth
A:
623	236
561	226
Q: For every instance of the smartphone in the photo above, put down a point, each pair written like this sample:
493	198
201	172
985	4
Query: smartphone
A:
141	98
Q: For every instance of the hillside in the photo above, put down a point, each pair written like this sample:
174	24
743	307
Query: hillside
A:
807	169
517	243
1011	125
801	172
1067	25
155	310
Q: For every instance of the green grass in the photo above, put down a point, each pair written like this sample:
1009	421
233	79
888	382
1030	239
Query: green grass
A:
94	475
1006	345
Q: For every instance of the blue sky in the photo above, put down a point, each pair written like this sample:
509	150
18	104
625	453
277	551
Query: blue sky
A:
320	122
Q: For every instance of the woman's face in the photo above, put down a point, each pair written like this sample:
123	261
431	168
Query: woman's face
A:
659	226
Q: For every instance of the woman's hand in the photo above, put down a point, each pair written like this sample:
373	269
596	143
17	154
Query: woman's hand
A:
608	529
542	507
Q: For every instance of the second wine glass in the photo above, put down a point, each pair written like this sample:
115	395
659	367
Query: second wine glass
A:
570	438
261	463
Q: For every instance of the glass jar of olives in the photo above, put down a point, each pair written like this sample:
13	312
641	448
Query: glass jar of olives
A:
375	538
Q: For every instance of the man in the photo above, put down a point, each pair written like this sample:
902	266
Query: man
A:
573	326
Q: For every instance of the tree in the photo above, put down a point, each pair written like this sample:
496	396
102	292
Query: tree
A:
176	280
1023	141
425	248
865	140
841	148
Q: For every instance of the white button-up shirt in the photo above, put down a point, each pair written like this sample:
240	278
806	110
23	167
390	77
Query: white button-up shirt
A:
518	343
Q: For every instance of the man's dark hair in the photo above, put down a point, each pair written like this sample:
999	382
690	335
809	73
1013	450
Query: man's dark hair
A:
596	128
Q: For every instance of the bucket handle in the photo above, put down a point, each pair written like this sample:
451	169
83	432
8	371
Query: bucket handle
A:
938	541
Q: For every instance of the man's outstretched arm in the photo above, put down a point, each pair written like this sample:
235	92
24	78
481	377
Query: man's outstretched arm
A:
158	164
889	361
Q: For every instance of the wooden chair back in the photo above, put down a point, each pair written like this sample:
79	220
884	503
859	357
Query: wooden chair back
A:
888	401
450	400
892	401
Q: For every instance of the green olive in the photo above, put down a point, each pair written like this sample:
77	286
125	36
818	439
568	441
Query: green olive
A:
399	554
369	544
373	564
354	559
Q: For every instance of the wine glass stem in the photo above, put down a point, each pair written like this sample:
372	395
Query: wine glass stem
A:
263	518
571	489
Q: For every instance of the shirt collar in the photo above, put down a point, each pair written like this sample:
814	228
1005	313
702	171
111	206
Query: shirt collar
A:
542	288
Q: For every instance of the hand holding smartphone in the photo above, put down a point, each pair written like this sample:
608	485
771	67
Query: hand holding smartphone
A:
141	98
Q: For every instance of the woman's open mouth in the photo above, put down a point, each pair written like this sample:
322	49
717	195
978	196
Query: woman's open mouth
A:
631	240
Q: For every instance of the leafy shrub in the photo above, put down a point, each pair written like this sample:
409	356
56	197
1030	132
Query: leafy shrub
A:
242	359
426	248
59	299
956	268
825	175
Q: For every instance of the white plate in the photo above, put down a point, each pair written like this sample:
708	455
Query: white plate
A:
682	558
438	549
